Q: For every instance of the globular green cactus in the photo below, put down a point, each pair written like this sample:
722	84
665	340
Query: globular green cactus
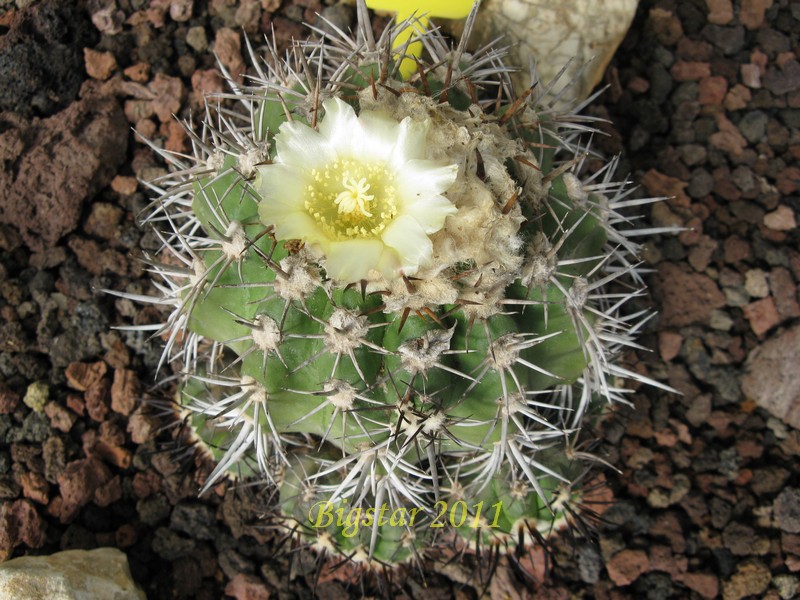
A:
396	300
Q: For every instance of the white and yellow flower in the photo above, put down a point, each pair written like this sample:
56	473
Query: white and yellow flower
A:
359	191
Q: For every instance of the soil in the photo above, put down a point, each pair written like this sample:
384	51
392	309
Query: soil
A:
703	104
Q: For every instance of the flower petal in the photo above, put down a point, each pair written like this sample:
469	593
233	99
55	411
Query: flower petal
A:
339	122
351	260
411	142
281	184
430	212
375	137
301	147
422	178
407	237
297	226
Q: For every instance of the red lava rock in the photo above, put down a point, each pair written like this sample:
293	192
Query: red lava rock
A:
108	493
169	93
146	483
204	82
762	314
705	584
141	427
685	70
9	400
76	404
103	220
728	137
700	254
752	578
81	376
60	418
712	90
771	377
737	98
751	75
177	141
736	249
626	566
248	15
686	297
97	260
146	129
668	525
20	523
180	10
788	180
108	19
669	344
97	400
662	559
720	12
140	72
665	25
138	110
228	47
781	219
124	391
247	587
35	487
99	65
784	292
751	14
790	543
53	165
78	483
784	80
125	536
658	184
126	186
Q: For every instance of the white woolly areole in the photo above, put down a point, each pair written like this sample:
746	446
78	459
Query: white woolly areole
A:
236	242
422	353
301	278
266	335
258	394
340	393
434	422
344	331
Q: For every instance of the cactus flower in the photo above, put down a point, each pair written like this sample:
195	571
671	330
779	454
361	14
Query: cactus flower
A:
359	191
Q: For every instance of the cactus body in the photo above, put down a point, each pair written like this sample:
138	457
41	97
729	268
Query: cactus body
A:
395	300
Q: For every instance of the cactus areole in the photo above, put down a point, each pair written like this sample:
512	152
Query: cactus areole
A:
395	299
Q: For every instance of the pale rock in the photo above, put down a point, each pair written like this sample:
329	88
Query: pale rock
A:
580	36
771	376
70	575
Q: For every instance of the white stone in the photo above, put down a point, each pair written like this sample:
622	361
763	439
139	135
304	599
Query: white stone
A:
70	575
755	282
551	32
771	376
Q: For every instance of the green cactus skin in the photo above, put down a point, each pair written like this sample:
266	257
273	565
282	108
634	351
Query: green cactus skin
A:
456	394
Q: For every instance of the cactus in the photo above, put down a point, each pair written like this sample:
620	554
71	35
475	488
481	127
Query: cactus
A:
395	300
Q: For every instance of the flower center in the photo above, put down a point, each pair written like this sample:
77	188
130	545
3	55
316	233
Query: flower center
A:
350	199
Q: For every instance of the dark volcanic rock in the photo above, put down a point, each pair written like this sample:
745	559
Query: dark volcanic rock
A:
41	58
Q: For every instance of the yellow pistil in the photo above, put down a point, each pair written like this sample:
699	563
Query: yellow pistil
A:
354	198
351	200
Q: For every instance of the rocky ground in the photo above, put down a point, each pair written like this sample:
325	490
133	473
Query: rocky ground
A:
703	104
